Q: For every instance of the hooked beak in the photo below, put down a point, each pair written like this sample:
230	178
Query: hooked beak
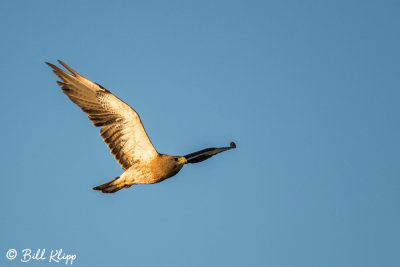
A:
182	160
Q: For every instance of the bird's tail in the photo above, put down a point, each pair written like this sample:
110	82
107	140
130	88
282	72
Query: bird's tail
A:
111	186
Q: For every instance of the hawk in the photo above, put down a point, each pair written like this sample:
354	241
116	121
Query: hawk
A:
124	134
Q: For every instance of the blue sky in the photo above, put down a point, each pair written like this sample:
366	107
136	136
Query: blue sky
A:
309	91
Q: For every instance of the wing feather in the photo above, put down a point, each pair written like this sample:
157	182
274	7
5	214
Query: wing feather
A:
121	127
204	154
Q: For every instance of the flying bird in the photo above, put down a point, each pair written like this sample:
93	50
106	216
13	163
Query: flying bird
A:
124	134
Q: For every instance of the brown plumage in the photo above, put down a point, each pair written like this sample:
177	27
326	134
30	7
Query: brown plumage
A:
124	134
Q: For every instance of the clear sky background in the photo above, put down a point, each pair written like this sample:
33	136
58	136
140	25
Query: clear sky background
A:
309	91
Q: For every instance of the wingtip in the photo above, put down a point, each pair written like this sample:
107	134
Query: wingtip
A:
233	145
50	65
68	67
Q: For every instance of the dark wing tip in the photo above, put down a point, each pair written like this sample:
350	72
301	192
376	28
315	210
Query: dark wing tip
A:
233	145
51	65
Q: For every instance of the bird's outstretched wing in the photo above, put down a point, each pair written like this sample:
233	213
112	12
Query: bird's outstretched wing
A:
121	128
206	153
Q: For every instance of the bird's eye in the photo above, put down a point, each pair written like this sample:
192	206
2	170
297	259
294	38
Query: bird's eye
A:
176	159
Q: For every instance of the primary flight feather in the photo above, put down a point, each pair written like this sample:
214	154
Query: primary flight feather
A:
124	134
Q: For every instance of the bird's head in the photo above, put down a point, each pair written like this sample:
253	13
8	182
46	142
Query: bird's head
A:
170	165
179	160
